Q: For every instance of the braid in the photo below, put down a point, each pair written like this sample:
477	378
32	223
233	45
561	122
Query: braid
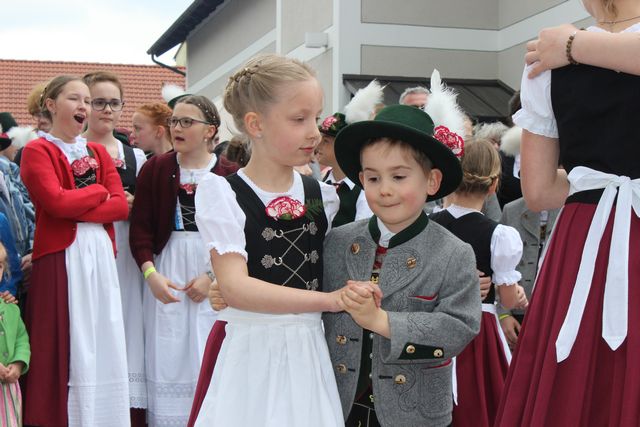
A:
480	167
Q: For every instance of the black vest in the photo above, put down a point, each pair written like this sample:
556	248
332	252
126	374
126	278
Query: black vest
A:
477	230
286	252
598	119
348	199
128	175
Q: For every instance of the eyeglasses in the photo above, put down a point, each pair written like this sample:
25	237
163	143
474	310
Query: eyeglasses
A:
185	122
100	104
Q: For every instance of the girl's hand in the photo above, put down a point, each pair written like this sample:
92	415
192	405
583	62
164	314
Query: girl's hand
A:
511	328
521	297
8	298
216	300
198	288
549	51
129	198
13	372
485	285
160	288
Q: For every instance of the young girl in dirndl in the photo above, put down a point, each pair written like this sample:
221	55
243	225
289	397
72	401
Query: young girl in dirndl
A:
166	243
273	368
482	366
78	373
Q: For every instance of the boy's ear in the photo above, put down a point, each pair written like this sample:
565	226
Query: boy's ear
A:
361	178
252	124
433	181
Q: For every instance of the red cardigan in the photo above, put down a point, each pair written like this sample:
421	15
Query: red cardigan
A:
59	205
154	207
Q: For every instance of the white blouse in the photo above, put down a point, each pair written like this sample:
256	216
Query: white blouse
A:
140	157
221	221
536	114
363	211
506	249
194	176
73	151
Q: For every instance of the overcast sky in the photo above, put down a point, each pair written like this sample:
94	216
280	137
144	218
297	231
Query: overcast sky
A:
111	31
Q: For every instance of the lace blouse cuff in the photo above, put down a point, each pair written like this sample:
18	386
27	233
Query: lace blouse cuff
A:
507	278
223	249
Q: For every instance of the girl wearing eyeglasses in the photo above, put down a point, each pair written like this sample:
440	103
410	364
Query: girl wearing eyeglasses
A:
78	373
172	257
106	108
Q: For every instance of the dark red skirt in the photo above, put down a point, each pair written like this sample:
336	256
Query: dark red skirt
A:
47	321
211	351
481	369
594	386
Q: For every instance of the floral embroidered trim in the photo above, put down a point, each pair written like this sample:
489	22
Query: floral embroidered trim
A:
189	188
81	166
450	139
285	208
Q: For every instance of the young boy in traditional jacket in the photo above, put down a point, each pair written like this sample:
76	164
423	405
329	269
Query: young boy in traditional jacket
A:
393	363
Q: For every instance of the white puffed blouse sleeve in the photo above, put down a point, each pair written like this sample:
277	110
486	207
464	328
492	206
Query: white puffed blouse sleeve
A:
506	251
219	217
536	114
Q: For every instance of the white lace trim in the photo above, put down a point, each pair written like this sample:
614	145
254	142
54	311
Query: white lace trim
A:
227	248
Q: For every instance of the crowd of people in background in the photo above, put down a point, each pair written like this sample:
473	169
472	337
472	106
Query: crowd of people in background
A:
370	267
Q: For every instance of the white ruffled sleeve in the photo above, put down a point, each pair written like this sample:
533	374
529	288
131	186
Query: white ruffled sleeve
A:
536	114
140	159
219	217
506	251
331	203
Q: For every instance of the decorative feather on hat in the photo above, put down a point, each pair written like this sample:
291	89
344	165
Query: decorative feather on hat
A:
363	104
361	107
447	116
20	135
171	93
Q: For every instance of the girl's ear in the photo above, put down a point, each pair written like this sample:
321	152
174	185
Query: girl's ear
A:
494	186
49	104
253	125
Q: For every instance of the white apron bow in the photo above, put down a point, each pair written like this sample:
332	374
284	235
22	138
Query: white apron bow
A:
615	308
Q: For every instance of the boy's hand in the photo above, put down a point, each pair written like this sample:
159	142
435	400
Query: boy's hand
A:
215	297
373	288
485	285
3	373
360	303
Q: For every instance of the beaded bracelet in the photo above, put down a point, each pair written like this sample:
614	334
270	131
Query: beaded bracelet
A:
569	45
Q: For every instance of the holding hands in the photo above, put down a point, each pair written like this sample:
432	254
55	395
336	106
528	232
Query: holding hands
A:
362	301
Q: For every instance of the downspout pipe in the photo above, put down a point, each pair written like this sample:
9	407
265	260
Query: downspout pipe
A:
169	67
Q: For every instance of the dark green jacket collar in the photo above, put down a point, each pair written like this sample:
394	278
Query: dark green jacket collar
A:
403	236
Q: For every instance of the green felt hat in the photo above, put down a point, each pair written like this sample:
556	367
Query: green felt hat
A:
408	124
333	124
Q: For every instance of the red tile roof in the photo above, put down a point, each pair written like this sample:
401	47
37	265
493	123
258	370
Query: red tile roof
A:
141	83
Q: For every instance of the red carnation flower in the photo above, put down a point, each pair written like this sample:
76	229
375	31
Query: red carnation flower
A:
189	188
328	122
450	139
285	208
81	166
